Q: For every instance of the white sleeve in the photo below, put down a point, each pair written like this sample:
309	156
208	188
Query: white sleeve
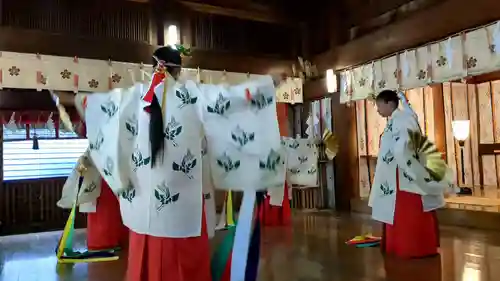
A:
104	119
414	177
241	127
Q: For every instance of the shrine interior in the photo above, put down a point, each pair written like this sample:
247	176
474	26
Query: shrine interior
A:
442	54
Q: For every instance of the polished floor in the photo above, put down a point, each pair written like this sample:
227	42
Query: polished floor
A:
313	250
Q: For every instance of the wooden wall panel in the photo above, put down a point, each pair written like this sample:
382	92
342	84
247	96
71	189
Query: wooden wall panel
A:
30	206
130	31
230	34
459	98
125	20
478	103
474	132
448	117
416	99
375	126
364	172
429	123
485	123
495	104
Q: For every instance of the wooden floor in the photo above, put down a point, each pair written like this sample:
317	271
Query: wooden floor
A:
315	251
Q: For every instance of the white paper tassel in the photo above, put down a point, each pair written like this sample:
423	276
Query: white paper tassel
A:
309	127
222	219
12	126
131	74
449	52
405	66
145	74
223	79
198	75
50	123
496	38
242	237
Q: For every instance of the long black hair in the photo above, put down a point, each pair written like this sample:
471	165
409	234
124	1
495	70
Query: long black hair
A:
172	59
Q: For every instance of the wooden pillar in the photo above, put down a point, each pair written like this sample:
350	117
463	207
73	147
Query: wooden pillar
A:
439	120
346	161
282	111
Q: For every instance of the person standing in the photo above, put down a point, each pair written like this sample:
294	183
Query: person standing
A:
404	195
147	144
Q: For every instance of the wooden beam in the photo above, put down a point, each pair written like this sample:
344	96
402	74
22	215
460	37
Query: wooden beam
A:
434	23
268	15
33	41
242	10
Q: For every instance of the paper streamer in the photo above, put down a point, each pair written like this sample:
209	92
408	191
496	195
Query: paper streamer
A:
229	210
253	258
222	255
64	249
242	237
222	219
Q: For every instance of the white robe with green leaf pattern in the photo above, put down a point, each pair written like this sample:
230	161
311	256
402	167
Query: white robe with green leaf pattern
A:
87	193
166	201
395	155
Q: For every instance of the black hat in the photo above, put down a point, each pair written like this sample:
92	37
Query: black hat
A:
169	55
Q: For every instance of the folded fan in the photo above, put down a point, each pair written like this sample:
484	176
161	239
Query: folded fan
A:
331	144
427	154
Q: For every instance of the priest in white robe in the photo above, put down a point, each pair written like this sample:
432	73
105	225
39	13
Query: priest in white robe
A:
405	193
146	142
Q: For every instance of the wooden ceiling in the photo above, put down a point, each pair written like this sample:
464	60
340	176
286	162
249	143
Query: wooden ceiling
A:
329	23
270	11
287	28
288	12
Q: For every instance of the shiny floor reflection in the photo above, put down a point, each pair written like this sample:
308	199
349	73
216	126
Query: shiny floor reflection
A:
313	250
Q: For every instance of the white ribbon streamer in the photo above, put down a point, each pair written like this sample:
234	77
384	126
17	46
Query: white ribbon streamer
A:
242	237
449	52
405	65
222	220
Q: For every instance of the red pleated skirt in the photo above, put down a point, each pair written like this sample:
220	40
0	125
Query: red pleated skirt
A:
169	259
105	229
277	215
414	233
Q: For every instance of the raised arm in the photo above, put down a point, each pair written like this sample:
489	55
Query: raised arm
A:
241	127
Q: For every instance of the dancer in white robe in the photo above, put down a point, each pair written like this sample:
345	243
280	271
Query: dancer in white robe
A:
146	141
405	193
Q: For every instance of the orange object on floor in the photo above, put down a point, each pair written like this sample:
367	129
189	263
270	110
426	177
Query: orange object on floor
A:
174	259
105	228
415	233
277	215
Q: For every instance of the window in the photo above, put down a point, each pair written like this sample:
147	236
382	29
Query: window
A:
54	158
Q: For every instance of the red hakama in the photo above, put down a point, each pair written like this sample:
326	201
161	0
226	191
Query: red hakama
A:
414	233
277	215
105	229
174	259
